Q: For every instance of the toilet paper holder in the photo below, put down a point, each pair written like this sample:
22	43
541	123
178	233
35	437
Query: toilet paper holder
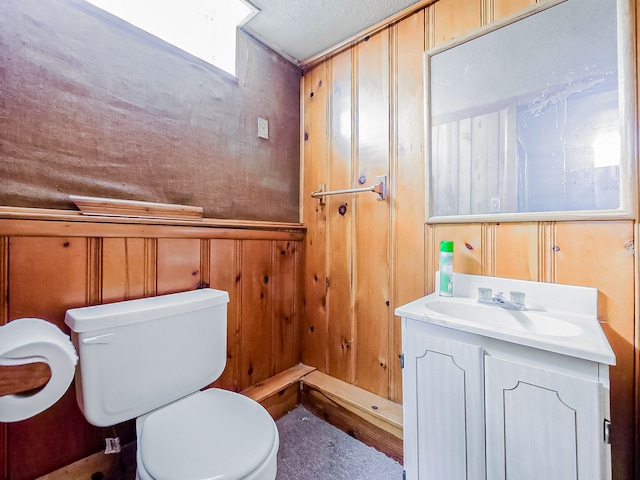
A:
26	344
24	378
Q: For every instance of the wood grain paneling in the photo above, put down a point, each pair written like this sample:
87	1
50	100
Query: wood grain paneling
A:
372	290
340	213
596	254
500	9
225	274
47	276
407	181
123	269
178	265
315	326
453	18
257	344
285	313
515	250
467	249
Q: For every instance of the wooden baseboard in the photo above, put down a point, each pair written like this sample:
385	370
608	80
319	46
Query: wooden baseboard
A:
280	393
97	463
373	420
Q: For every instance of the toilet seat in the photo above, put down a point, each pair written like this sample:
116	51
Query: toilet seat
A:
213	434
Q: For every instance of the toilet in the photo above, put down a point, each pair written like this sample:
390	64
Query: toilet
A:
148	359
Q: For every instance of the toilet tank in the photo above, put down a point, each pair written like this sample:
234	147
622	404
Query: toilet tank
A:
139	355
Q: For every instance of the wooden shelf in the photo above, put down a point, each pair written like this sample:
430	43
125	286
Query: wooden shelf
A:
112	207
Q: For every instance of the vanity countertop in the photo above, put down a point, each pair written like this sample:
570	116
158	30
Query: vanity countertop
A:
558	318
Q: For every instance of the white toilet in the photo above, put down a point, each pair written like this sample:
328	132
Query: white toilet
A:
148	359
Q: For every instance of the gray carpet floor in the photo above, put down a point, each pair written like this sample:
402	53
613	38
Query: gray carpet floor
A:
312	449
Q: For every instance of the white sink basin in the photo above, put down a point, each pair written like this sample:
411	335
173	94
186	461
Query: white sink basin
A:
495	317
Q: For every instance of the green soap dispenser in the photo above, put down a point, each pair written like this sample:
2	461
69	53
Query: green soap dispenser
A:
446	268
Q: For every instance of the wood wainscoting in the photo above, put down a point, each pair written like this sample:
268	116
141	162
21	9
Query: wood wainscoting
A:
51	261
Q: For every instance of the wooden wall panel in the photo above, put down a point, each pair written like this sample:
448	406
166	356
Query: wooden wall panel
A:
503	8
47	276
515	250
225	274
257	345
453	18
407	181
468	249
372	223
597	254
314	325
340	229
285	314
178	265
124	272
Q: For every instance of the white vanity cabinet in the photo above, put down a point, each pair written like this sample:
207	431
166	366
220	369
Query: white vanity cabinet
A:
482	402
443	407
541	424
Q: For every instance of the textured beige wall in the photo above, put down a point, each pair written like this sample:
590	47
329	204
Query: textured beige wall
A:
91	106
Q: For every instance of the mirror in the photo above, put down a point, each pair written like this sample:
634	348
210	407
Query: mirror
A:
528	120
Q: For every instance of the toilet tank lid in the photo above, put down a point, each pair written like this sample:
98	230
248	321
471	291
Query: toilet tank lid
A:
110	315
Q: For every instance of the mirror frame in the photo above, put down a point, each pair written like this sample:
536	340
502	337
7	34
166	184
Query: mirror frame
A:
627	113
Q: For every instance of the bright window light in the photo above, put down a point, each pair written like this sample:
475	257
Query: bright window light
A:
203	28
606	149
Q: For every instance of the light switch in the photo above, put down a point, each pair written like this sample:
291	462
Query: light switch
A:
263	128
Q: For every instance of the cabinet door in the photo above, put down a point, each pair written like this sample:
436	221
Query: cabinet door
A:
443	407
542	424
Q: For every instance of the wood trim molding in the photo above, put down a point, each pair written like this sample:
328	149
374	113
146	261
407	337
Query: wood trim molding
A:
71	216
52	227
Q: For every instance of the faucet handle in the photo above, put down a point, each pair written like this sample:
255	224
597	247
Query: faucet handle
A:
484	293
517	298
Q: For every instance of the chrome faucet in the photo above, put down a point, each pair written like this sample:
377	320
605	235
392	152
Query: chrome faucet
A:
515	302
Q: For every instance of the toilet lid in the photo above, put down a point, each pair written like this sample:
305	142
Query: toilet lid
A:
214	434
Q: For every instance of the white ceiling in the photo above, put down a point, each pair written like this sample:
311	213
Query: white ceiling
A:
301	29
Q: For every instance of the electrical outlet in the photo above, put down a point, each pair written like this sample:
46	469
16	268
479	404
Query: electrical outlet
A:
495	204
263	128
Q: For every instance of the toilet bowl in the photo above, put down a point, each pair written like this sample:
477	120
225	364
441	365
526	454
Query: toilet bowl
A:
214	434
148	359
